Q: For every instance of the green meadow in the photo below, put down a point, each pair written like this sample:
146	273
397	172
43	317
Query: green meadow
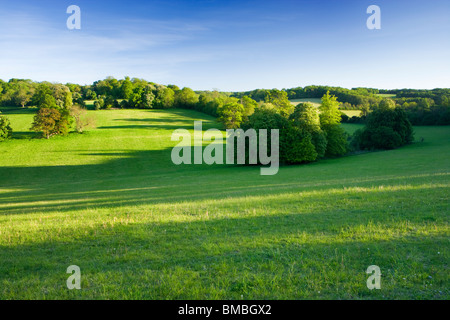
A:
314	101
111	202
317	101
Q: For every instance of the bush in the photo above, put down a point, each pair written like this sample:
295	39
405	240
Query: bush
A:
5	128
386	129
98	104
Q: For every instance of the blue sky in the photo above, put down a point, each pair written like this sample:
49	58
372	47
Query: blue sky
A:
229	45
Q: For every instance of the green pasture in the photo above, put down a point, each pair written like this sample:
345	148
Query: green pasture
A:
139	227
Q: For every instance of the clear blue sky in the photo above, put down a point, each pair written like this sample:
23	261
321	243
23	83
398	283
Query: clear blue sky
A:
229	45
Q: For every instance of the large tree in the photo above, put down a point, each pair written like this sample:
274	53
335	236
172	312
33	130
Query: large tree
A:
231	115
386	128
306	118
330	119
50	122
22	94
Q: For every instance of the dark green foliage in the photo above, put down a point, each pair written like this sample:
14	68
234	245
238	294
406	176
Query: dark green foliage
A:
306	118
295	144
299	146
91	95
5	128
98	104
320	142
336	137
385	129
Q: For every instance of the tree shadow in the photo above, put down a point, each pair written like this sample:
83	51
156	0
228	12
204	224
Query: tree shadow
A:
18	110
238	255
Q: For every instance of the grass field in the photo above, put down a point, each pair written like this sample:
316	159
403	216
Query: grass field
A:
352	113
386	95
314	101
139	227
317	101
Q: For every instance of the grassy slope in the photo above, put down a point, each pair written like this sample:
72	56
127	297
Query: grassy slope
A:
314	101
317	101
111	202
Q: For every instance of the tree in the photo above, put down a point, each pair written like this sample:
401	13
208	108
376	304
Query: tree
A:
50	122
43	97
82	119
386	103
299	146
99	104
329	110
164	98
62	95
295	144
23	93
5	128
280	100
186	98
337	144
91	95
48	101
306	118
147	98
330	120
386	128
249	106
126	89
142	98
231	115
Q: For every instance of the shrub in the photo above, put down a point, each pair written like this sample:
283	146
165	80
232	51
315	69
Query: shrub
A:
5	128
98	104
386	128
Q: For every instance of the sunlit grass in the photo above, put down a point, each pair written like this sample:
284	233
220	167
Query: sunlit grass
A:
140	227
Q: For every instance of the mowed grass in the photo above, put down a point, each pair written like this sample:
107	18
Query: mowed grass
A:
140	227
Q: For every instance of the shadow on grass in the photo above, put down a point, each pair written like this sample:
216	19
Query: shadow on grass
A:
169	122
288	256
150	177
26	135
18	110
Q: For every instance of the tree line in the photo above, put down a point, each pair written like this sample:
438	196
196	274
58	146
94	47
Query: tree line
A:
307	133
